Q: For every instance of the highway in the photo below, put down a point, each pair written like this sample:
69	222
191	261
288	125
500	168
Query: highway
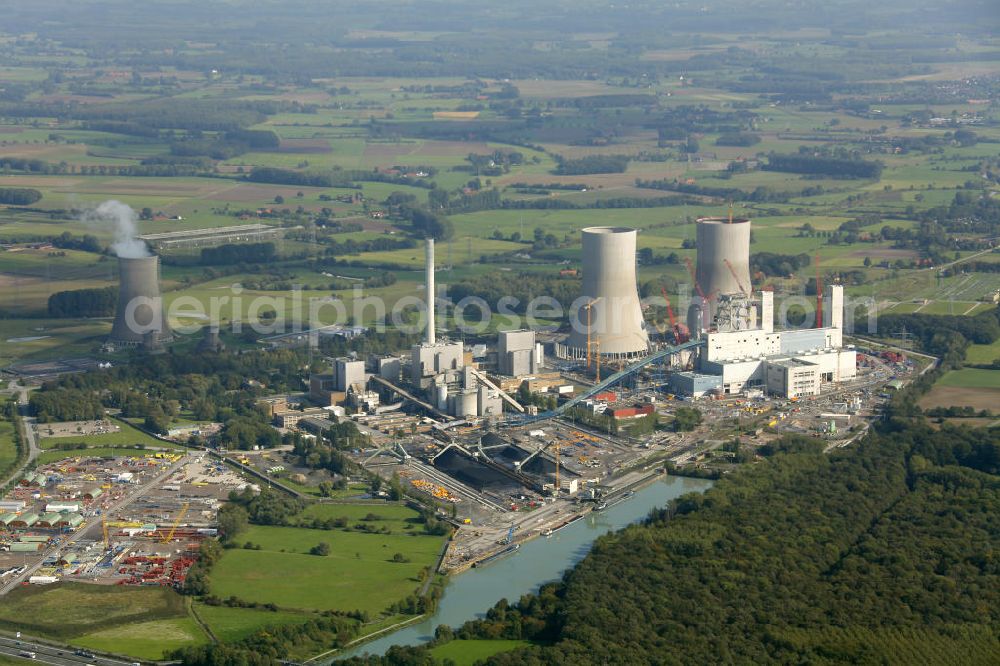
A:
58	656
91	522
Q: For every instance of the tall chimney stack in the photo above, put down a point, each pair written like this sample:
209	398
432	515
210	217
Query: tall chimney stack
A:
430	291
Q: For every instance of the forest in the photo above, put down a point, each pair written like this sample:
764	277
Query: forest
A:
94	302
881	554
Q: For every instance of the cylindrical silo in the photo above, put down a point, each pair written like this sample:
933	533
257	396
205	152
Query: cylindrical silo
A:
609	285
139	317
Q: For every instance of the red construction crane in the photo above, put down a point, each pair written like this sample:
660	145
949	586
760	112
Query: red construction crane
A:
732	271
701	293
694	279
819	296
680	336
588	306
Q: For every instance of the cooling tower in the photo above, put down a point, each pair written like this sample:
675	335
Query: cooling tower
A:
139	317
720	240
616	324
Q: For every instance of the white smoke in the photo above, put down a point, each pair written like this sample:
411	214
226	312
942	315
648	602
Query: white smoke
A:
121	220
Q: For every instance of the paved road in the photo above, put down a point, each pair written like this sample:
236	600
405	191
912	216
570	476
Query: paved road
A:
56	655
29	429
93	520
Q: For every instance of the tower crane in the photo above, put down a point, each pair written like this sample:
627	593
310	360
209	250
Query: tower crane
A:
680	337
105	524
732	271
694	279
588	306
177	521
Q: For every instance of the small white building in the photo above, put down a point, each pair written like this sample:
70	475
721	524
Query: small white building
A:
59	507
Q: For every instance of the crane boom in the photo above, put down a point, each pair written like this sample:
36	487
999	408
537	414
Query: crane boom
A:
694	279
732	271
177	521
679	336
588	306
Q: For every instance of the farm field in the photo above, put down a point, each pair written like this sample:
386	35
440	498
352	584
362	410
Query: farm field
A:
146	640
983	354
8	449
233	624
957	308
359	573
25	340
399	519
972	387
971	378
149	620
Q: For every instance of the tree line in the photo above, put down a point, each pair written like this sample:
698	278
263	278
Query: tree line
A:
94	302
19	196
834	167
243	253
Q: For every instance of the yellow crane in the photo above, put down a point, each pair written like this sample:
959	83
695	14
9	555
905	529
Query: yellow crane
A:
105	524
177	521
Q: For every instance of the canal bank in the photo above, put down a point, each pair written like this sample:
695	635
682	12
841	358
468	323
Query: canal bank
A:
470	594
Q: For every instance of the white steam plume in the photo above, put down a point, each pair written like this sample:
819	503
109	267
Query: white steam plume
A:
120	219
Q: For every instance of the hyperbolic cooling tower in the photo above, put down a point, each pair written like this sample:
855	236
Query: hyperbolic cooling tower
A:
609	285
139	318
721	239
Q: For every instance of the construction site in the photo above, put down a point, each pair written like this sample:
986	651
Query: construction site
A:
112	520
447	417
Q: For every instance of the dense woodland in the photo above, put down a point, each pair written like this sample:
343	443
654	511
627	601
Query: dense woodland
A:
881	554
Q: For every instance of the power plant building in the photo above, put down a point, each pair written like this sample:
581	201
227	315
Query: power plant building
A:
609	307
435	358
518	354
741	349
140	319
348	372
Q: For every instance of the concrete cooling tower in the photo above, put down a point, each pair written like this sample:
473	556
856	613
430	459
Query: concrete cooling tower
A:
720	240
609	286
140	319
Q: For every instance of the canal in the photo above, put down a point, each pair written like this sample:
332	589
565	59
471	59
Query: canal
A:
470	594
